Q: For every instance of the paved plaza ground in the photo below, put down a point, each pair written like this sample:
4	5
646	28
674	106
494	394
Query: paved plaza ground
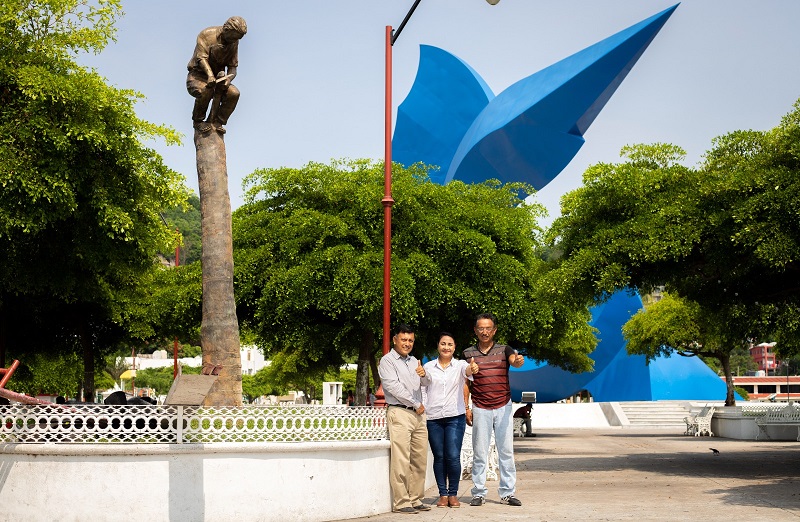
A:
630	474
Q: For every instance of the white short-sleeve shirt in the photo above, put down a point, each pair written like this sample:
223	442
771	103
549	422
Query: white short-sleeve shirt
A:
444	396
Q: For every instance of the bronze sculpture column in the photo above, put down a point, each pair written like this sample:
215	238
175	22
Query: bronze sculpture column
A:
211	70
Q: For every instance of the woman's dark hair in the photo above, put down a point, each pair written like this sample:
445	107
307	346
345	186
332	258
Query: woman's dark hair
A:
444	334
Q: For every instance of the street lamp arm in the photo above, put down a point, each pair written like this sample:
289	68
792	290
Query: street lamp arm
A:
396	34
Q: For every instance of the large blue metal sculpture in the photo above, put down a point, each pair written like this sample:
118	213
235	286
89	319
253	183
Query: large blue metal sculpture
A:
529	133
618	376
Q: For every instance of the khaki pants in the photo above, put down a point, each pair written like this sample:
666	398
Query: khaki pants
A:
408	433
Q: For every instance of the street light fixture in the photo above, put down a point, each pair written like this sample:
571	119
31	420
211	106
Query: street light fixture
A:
388	201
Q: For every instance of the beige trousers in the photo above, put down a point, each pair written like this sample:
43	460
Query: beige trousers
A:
408	434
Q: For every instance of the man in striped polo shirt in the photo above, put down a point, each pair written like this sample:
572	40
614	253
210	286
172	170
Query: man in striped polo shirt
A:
491	401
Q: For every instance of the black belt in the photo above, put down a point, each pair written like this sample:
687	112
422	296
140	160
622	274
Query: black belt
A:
402	406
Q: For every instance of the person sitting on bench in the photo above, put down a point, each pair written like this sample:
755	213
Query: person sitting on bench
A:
524	413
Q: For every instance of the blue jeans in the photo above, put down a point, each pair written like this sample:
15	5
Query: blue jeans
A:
445	437
484	422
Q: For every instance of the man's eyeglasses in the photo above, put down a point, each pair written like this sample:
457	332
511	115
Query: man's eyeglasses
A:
484	329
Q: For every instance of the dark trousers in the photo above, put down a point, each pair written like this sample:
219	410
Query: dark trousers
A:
445	437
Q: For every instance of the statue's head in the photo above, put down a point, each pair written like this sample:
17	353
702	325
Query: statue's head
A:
234	28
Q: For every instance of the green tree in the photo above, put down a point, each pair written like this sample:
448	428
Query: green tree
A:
287	372
258	385
741	362
104	381
724	236
81	194
48	374
172	304
115	366
789	365
675	325
187	220
309	257
159	379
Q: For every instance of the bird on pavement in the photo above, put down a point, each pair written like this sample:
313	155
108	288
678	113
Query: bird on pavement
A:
716	451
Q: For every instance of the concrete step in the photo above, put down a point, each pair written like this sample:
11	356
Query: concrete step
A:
657	414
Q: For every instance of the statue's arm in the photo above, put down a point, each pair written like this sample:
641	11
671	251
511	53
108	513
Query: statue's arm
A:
200	57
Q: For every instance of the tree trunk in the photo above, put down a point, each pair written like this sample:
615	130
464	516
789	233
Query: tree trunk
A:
88	363
362	371
376	378
362	382
219	330
725	359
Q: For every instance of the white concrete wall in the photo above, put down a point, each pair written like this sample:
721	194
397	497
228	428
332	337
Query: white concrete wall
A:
576	415
729	423
221	482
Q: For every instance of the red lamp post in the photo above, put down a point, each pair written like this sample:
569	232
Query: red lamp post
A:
388	201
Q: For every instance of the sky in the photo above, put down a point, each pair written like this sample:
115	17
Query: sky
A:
311	72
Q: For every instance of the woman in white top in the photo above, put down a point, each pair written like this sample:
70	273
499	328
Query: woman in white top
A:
444	404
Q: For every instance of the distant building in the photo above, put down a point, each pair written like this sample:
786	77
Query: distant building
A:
252	360
770	387
764	357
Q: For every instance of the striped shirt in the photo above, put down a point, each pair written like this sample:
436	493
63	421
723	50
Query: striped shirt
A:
490	386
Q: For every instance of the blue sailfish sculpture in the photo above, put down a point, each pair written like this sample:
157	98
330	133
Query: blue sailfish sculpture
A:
530	131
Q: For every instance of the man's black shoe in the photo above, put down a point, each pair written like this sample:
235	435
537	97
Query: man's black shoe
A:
511	500
422	507
406	510
476	501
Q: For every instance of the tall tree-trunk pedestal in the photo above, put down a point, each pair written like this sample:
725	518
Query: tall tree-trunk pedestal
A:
219	331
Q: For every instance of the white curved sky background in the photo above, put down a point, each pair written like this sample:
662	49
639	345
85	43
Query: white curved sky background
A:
311	72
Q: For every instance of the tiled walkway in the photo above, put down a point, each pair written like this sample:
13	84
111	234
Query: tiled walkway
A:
642	475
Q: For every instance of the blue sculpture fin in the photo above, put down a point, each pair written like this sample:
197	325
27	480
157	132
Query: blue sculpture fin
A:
445	99
544	115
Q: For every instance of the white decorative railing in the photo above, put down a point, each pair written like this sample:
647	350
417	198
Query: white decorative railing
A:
100	423
756	409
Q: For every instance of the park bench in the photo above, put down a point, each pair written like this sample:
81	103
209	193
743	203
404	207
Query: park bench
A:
519	427
787	416
700	423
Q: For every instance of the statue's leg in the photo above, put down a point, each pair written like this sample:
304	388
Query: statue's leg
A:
202	94
228	103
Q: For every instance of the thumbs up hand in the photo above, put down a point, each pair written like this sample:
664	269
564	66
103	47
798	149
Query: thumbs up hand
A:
420	369
516	360
473	368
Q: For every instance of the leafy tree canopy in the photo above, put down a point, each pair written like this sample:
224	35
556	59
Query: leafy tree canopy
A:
676	325
186	219
80	194
724	237
259	384
53	375
724	234
309	255
171	304
160	379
